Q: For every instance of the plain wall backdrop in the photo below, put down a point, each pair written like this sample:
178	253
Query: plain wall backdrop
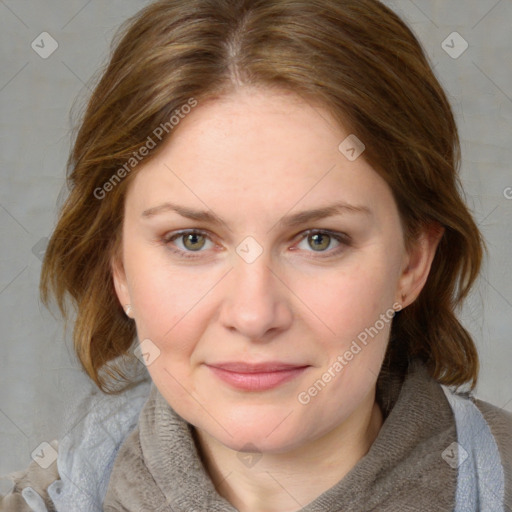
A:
40	377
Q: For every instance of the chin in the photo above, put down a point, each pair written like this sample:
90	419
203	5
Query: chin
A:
271	431
255	441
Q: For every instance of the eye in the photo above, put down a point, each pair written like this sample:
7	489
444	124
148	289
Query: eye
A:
191	241
320	241
186	243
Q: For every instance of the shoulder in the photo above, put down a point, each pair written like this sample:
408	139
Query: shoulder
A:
95	430
484	435
498	419
477	417
500	424
88	451
30	487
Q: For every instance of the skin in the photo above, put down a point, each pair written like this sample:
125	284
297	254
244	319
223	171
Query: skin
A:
252	158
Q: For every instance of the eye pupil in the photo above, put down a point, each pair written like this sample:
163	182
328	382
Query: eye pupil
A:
193	237
320	237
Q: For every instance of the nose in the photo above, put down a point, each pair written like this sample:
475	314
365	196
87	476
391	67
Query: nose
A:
256	304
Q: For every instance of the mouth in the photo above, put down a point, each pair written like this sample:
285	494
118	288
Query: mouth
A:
256	377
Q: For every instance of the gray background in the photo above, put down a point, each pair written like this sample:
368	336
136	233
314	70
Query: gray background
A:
39	376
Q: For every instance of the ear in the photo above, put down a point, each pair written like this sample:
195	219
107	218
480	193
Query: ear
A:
120	283
417	263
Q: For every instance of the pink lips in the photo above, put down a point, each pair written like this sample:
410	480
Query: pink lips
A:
256	377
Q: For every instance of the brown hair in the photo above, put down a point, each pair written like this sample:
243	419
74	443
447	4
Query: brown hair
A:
357	59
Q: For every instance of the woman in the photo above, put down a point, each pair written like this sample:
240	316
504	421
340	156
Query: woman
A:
266	195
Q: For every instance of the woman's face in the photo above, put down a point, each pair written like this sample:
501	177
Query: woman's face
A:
268	322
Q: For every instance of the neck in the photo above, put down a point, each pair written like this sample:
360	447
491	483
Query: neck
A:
285	482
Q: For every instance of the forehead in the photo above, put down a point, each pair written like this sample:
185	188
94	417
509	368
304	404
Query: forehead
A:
256	150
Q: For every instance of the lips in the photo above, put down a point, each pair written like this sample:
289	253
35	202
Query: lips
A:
242	367
256	376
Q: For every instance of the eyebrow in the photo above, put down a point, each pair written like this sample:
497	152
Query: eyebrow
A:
292	220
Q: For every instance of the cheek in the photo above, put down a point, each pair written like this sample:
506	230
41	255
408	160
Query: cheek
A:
170	313
167	299
353	298
359	304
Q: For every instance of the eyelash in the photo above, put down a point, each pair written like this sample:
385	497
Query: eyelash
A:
342	238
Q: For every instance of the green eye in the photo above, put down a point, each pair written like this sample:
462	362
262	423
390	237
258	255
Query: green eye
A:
186	243
319	241
193	241
324	243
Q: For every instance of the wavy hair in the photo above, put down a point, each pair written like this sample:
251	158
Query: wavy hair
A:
357	59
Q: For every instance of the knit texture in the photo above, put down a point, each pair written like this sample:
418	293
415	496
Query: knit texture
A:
158	467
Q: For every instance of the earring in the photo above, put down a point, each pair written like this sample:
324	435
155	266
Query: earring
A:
128	310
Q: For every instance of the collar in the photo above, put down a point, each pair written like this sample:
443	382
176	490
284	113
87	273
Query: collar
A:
159	466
